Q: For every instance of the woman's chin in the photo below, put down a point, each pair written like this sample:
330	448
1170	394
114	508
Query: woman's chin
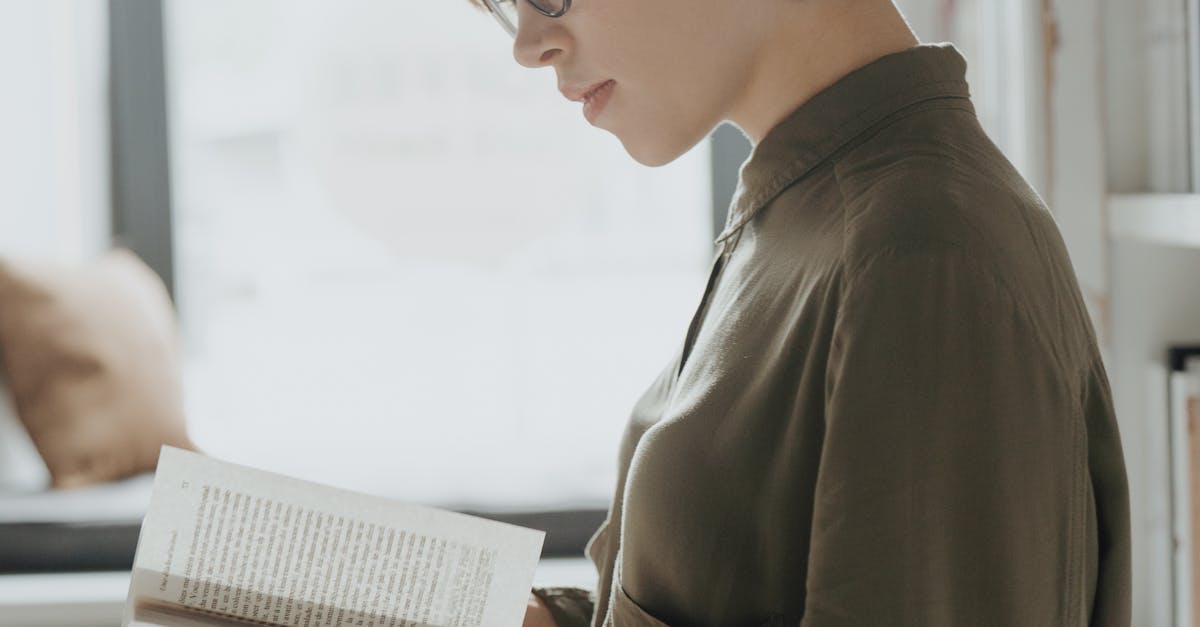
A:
652	159
654	150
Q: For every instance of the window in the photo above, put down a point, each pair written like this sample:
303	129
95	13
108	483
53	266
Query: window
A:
53	185
405	264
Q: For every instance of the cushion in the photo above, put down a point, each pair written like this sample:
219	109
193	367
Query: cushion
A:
21	468
91	359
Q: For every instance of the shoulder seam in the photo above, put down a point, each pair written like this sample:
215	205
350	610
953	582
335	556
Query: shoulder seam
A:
917	246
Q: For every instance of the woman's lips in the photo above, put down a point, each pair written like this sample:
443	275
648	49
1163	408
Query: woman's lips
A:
596	88
578	92
594	103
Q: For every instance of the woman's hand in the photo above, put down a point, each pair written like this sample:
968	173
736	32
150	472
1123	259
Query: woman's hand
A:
537	614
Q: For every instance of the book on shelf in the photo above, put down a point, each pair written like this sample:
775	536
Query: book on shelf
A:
225	544
1184	417
1193	77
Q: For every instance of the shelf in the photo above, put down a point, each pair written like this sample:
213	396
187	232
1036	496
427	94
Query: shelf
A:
1172	219
63	599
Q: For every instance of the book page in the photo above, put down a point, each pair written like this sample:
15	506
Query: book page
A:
227	544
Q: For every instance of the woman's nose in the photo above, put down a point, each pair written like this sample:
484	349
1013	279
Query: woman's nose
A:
539	38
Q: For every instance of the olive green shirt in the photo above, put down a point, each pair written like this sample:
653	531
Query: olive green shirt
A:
890	408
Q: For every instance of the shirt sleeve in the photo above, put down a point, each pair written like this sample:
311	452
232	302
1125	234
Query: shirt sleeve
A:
950	484
570	606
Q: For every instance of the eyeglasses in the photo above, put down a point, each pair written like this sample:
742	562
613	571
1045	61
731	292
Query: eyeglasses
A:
506	11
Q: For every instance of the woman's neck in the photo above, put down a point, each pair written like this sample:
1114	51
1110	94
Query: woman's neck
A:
816	43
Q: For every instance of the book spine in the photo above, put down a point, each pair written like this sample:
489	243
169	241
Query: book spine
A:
1193	64
1184	429
1191	408
1181	506
1192	405
1193	78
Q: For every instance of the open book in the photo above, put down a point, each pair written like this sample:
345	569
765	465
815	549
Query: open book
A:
224	544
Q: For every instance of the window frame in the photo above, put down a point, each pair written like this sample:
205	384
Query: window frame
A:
138	139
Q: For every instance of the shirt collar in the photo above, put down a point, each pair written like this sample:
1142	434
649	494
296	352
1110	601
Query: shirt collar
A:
839	113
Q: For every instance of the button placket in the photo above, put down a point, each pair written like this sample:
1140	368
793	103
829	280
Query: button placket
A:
727	246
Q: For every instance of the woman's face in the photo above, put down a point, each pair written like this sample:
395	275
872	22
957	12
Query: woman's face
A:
679	66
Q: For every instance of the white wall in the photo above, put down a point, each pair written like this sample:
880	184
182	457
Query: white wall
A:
53	118
1076	178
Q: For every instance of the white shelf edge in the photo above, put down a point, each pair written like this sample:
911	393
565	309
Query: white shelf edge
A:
1172	219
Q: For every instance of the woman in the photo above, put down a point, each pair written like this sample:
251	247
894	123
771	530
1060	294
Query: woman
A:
890	408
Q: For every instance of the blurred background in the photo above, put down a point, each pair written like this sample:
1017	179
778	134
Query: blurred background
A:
401	263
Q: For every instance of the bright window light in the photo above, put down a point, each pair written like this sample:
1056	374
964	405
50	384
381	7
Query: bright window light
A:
406	264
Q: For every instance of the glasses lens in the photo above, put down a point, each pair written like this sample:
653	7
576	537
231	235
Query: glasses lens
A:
506	10
549	6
